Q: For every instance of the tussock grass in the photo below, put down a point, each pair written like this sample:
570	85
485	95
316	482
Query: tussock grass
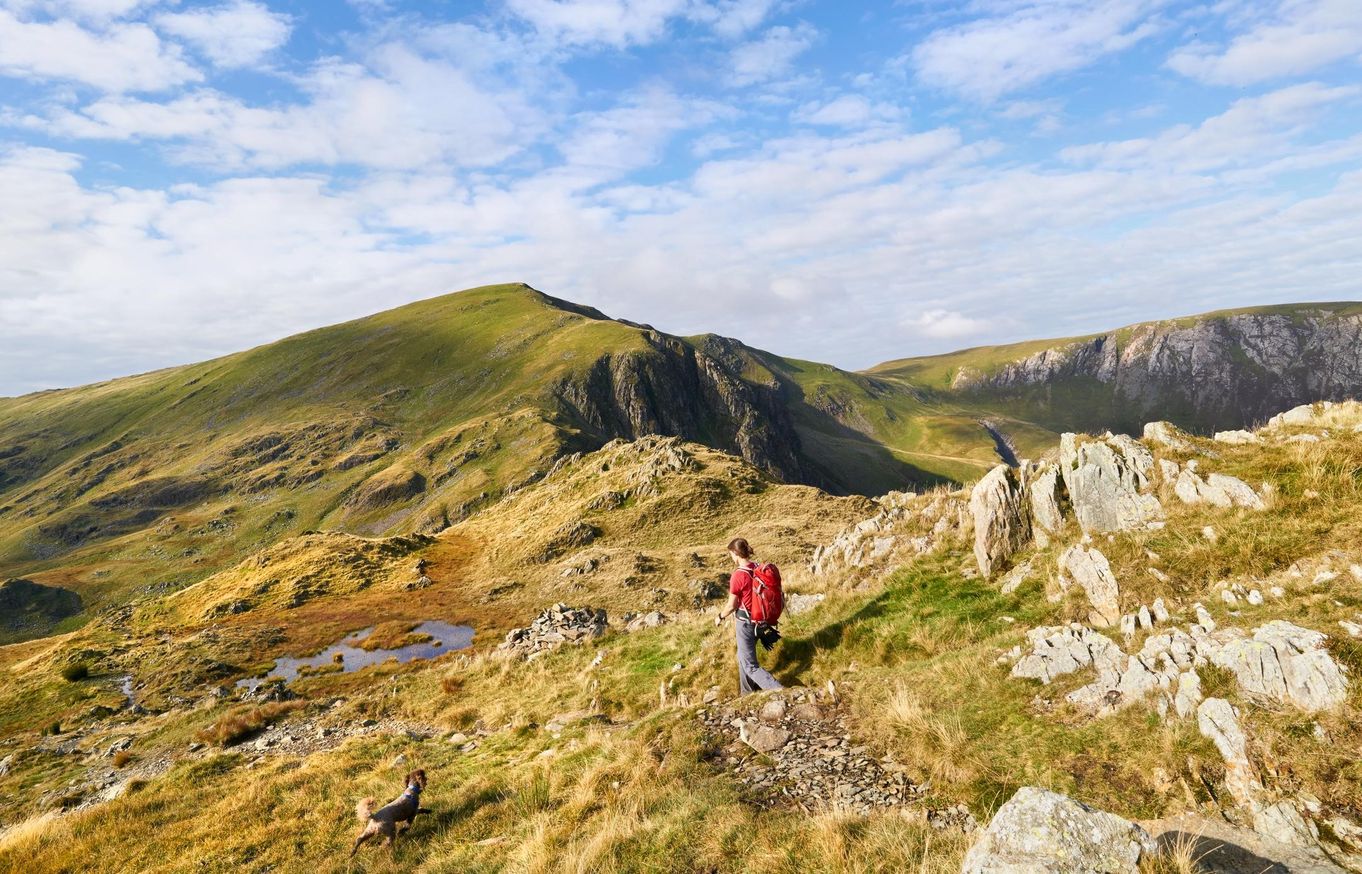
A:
240	723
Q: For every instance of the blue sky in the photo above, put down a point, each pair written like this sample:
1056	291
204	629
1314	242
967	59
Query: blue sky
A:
843	182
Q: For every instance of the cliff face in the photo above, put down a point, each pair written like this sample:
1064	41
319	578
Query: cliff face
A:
676	389
1212	373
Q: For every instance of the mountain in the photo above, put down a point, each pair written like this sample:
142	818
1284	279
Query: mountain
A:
1223	370
411	420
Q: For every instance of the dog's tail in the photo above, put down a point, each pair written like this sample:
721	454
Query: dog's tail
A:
364	810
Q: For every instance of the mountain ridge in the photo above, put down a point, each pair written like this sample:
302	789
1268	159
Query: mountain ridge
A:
415	418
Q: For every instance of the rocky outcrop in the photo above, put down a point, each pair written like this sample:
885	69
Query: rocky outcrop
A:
1060	650
1285	663
1089	570
1044	832
570	536
1282	820
1218	721
1048	502
1002	521
1282	662
1107	482
1207	374
1217	489
905	525
554	627
674	388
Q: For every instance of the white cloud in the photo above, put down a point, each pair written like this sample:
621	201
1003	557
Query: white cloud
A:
733	18
623	23
1252	131
1300	36
989	57
612	142
772	54
617	23
118	57
940	324
235	34
86	10
402	110
848	110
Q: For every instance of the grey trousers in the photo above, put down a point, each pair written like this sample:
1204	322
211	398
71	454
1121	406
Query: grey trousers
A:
751	676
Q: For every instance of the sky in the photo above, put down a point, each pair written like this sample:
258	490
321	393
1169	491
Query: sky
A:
843	182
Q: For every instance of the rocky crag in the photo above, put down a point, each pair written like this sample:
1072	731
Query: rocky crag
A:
1207	373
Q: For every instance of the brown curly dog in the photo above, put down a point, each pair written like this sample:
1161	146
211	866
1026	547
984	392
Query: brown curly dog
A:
387	818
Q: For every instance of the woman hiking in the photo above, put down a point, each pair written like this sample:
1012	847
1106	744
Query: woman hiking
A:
751	676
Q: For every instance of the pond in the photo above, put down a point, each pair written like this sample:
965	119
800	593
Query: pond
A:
444	637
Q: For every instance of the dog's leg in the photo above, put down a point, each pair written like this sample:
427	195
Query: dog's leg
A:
364	835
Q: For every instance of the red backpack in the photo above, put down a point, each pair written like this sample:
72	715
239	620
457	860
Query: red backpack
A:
768	600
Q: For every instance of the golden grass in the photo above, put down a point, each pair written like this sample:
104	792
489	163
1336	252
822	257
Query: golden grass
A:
240	723
631	790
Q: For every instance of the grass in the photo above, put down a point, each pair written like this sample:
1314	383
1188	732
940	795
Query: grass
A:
240	723
632	786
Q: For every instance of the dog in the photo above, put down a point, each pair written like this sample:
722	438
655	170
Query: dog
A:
386	819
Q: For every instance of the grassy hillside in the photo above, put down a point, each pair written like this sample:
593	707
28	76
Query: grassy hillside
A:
598	758
409	421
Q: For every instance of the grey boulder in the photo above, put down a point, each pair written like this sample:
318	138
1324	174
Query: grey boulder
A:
1044	832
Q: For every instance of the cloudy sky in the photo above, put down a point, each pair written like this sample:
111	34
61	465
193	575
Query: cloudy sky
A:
848	182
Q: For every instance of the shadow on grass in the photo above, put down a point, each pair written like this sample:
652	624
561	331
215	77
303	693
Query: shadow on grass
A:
795	656
445	818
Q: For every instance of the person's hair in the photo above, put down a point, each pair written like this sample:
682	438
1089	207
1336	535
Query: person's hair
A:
741	547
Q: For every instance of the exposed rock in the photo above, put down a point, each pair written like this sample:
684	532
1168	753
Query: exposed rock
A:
1283	823
1188	696
1043	832
1218	721
763	738
810	761
1299	415
774	710
796	603
704	591
1286	663
905	525
555	626
1106	482
691	391
1237	438
570	536
654	619
1047	516
1015	577
1165	434
1002	523
1217	371
26	606
1059	650
1089	569
1218	490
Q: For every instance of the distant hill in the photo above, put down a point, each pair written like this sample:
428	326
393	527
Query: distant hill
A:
412	419
416	418
1222	370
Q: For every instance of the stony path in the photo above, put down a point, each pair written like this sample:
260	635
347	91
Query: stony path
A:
792	748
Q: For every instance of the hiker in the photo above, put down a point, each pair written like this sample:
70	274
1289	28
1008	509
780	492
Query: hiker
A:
754	590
